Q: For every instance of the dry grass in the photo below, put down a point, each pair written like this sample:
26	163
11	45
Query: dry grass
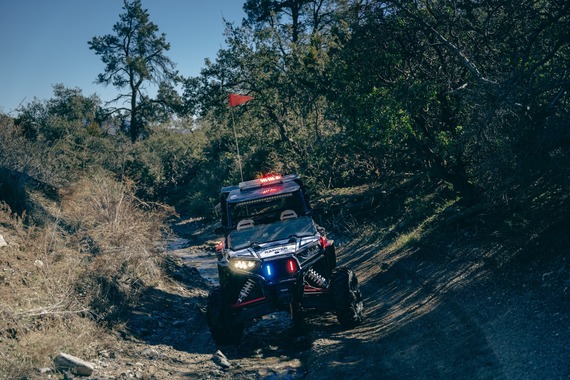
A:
40	312
119	237
112	227
60	280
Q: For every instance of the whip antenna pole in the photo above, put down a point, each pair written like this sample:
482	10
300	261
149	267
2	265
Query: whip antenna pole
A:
237	145
236	99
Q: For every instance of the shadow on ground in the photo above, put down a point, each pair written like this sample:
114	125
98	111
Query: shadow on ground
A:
174	316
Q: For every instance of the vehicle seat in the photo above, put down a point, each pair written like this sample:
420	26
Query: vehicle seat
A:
288	214
245	223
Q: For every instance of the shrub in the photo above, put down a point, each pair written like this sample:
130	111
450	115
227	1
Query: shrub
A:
118	236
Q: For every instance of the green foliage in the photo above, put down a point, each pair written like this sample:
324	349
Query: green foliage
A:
164	163
59	138
472	94
460	73
345	93
64	115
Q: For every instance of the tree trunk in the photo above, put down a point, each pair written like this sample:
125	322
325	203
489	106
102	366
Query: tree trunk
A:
135	128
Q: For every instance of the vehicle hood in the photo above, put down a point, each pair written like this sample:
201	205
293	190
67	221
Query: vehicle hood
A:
274	239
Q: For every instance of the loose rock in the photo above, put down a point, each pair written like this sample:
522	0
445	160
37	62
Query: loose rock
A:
64	362
220	359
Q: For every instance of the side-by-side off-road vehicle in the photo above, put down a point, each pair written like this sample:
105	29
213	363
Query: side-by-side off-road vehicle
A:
275	258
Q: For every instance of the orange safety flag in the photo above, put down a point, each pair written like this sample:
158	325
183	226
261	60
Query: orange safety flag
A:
236	99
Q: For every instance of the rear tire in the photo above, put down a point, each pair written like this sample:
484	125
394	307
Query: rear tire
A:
347	297
218	317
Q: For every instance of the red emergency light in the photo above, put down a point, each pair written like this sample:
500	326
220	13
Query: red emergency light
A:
291	266
263	181
270	179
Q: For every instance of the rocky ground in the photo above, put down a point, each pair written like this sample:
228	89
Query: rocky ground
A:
462	309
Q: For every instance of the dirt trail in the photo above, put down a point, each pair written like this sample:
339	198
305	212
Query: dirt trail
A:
429	314
451	314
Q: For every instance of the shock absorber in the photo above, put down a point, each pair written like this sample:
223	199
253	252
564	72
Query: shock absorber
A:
317	278
245	290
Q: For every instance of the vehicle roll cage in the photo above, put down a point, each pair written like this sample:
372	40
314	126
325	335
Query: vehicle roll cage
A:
259	191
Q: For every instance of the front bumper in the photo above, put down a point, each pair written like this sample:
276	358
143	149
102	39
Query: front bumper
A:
280	298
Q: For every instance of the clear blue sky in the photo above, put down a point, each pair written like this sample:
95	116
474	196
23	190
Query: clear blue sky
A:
44	42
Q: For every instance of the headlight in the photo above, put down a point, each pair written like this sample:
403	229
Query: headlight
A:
243	265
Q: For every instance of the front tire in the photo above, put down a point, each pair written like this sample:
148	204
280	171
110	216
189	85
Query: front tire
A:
218	317
347	297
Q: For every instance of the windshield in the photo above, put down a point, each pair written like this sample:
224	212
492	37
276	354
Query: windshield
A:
297	227
267	209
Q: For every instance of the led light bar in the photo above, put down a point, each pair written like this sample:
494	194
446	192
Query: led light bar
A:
259	182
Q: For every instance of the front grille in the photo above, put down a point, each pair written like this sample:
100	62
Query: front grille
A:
279	270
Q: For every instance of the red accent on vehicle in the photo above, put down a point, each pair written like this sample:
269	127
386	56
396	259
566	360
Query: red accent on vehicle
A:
291	266
219	246
246	303
323	241
312	289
